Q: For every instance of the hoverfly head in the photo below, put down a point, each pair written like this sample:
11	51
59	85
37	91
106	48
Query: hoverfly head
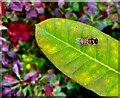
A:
96	41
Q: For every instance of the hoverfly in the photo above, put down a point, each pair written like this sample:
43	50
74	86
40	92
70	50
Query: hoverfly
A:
90	41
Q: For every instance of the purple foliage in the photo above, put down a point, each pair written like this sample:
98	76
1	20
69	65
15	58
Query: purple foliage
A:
58	13
37	3
91	4
61	3
31	76
100	26
9	78
91	8
48	88
118	10
68	14
11	54
2	41
26	3
3	45
4	48
48	77
84	19
16	6
41	10
32	13
108	10
91	11
5	60
17	66
7	92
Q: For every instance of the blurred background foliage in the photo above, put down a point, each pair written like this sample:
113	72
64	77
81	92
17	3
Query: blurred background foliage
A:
25	70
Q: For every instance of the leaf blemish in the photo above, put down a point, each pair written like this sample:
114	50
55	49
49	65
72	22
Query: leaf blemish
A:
84	83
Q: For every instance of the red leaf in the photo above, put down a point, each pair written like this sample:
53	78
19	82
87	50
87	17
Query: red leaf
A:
2	8
19	31
84	9
9	78
48	89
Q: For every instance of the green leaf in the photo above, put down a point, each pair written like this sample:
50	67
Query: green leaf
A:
76	6
21	43
59	94
93	66
70	85
30	90
57	89
24	91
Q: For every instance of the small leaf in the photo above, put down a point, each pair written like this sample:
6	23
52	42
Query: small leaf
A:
17	67
70	15
3	70
11	54
60	94
30	90
20	93
24	91
57	89
4	83
31	76
6	92
69	85
58	13
47	78
4	48
48	89
76	6
5	61
9	78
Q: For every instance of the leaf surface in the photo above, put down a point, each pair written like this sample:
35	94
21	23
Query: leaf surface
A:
93	66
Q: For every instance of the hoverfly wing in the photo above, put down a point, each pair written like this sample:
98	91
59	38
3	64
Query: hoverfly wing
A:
78	40
82	40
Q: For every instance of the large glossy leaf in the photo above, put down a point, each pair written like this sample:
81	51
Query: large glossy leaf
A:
92	66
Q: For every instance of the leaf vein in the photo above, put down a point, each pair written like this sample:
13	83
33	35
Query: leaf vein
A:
80	66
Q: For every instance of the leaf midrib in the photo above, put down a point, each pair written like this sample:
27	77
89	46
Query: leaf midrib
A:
82	52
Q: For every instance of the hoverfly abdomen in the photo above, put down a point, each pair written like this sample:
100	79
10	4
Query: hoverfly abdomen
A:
82	40
87	41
